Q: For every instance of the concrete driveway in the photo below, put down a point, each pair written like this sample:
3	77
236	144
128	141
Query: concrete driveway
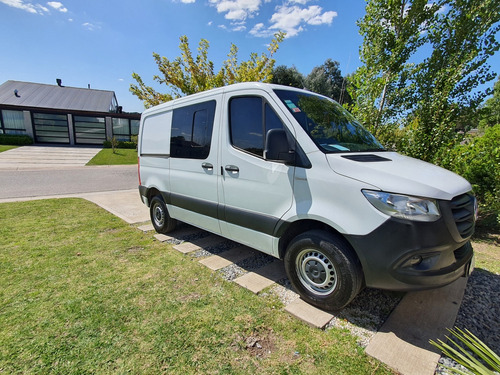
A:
46	157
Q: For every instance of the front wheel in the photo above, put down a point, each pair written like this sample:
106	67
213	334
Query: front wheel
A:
324	269
161	220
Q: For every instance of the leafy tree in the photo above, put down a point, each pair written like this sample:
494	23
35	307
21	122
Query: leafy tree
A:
327	80
393	31
282	75
445	84
187	74
490	112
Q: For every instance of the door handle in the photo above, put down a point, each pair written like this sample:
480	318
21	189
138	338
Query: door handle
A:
207	166
232	168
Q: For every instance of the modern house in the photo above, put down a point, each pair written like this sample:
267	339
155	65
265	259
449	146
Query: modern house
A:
63	115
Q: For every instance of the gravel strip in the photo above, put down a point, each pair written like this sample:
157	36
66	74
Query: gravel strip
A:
479	313
214	249
364	316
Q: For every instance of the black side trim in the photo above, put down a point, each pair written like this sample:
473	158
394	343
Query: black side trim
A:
258	222
192	204
143	190
365	158
251	220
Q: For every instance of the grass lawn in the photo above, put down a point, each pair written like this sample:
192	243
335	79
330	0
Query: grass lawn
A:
486	244
5	148
121	156
84	292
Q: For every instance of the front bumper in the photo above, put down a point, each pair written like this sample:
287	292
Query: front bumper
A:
407	255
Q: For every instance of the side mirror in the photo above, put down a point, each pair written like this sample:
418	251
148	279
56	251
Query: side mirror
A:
277	147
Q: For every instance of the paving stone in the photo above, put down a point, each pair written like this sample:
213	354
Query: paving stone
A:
146	228
216	262
403	341
161	237
309	314
253	282
188	247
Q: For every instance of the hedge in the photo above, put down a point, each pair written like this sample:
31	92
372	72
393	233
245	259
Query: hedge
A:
15	140
120	144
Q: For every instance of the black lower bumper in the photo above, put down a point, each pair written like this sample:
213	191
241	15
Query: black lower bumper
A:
405	255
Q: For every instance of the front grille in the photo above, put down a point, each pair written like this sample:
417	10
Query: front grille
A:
462	208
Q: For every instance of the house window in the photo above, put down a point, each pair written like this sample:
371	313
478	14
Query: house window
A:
89	130
124	128
12	122
51	128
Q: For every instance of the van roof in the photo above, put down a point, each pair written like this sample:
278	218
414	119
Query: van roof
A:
220	90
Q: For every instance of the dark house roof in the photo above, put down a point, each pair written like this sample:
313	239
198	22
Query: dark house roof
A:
36	95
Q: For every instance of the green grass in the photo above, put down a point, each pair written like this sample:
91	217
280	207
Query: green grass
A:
83	292
121	156
5	148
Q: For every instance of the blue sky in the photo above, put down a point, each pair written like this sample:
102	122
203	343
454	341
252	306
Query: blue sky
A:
101	42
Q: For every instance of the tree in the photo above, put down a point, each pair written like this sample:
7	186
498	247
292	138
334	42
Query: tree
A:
490	112
429	97
445	85
327	80
187	74
282	75
393	31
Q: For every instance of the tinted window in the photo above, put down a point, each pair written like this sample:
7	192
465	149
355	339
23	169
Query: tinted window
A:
250	119
192	131
329	125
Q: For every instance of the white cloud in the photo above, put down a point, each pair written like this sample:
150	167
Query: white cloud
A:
34	7
28	7
58	6
293	16
90	26
188	1
260	30
292	19
237	10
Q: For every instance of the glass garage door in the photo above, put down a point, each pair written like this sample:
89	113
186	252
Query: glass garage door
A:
89	130
51	128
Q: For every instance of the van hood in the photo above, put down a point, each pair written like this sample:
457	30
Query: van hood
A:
395	173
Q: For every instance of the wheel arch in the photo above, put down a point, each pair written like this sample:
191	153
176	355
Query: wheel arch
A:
292	230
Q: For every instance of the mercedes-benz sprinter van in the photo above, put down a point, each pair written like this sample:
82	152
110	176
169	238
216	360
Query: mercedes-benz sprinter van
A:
294	175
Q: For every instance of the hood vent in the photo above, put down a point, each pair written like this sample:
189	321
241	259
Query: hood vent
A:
363	158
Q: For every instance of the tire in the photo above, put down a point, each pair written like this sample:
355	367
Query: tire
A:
161	220
324	269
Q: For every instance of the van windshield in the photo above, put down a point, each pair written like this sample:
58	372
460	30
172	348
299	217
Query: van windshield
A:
329	125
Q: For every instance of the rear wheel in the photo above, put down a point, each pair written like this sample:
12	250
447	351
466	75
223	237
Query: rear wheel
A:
324	270
161	220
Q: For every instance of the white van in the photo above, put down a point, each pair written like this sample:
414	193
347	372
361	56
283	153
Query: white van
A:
294	175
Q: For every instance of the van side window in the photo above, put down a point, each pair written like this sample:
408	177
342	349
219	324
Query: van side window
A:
192	131
250	118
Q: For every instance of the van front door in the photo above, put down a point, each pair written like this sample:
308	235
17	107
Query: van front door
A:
256	192
193	165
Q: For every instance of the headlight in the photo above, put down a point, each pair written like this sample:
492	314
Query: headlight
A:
403	206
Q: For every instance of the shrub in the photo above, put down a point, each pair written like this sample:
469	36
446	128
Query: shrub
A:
470	352
15	140
478	161
121	144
